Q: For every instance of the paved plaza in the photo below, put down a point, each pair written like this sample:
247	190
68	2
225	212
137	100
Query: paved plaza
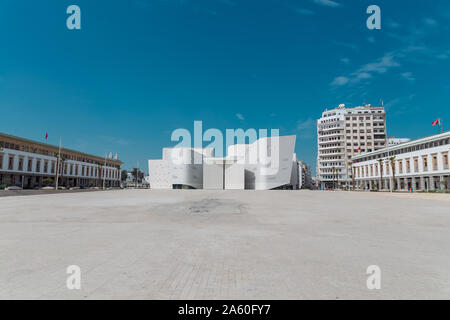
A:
198	244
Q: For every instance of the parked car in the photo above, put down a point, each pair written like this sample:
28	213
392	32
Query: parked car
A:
13	188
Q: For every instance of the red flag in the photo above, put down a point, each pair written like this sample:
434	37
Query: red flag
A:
436	122
46	136
359	148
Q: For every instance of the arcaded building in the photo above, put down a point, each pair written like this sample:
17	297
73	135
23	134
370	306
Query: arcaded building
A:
421	164
31	164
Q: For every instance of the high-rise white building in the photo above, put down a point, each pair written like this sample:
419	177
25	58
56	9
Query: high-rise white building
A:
343	133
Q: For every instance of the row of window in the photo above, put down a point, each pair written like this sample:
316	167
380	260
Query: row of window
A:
402	166
400	150
47	152
49	167
353	112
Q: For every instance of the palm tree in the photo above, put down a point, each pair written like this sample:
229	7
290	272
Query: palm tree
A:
392	161
380	163
350	163
138	175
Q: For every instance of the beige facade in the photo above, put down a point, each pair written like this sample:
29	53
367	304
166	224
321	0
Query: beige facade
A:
343	133
30	164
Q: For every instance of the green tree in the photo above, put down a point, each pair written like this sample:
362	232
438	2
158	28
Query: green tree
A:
123	175
138	175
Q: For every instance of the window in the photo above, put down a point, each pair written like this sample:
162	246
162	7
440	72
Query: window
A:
1	161
416	165
400	166
408	166
38	165
444	160
53	166
30	164
435	164
46	166
20	164
425	163
11	163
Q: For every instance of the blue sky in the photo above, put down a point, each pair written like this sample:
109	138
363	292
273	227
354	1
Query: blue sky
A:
139	69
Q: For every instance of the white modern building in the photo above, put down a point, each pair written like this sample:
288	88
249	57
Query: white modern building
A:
262	165
304	176
343	133
421	164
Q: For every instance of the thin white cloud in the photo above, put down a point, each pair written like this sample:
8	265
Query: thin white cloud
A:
382	65
305	12
392	24
367	71
340	81
240	116
408	76
305	124
327	3
430	22
345	60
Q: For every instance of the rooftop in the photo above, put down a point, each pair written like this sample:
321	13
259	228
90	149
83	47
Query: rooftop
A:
47	145
405	145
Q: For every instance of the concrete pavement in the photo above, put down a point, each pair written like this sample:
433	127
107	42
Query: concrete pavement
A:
198	244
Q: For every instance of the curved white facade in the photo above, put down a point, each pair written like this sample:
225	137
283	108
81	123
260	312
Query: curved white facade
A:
265	164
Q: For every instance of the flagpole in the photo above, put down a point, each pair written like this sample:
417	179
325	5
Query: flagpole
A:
57	163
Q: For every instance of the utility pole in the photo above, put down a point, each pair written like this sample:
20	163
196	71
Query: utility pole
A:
57	163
